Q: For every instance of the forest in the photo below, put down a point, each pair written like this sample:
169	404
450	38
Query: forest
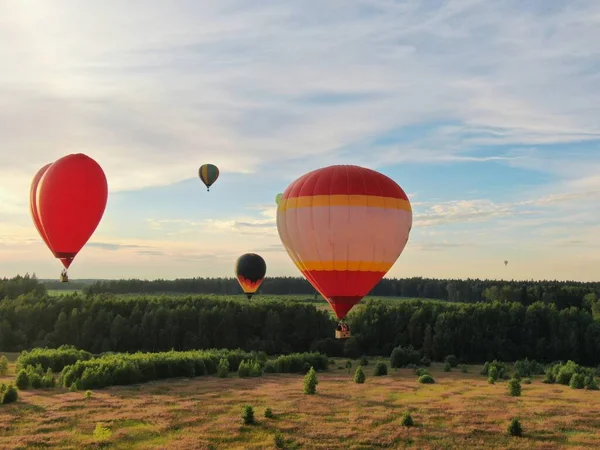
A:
543	329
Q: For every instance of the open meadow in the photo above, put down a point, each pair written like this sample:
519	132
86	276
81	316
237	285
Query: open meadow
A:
461	410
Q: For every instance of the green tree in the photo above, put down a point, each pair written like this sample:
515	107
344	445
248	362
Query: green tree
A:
310	382
3	365
359	375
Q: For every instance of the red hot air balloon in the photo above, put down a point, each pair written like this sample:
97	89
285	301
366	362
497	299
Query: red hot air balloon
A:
68	199
344	227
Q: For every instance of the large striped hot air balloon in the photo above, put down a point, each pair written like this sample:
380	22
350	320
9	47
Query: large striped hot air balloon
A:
344	227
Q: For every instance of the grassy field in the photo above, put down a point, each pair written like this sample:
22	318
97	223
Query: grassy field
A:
459	411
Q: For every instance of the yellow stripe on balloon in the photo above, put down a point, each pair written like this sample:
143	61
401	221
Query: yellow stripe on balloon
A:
360	266
205	172
374	201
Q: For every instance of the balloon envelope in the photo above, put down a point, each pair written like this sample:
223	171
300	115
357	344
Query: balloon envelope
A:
33	204
344	227
70	199
208	173
278	198
250	270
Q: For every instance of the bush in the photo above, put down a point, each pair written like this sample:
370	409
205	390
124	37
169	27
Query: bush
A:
22	380
348	364
514	428
451	360
88	394
425	361
310	382
464	368
402	357
381	369
279	440
426	379
364	361
549	378
268	413
497	370
591	383
248	415
485	369
101	433
3	365
244	369
491	380
8	394
447	367
55	359
577	381
493	373
359	375
421	371
407	420
514	387
270	367
527	368
223	368
526	380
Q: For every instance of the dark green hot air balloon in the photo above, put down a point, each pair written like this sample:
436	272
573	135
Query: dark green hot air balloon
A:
250	270
208	174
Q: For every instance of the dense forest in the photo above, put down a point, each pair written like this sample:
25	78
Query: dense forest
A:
563	294
506	330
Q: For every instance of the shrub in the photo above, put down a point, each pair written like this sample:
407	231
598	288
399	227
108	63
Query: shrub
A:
527	380
491	380
268	413
52	358
3	365
248	415
407	420
425	361
359	375
270	367
514	428
398	358
101	434
421	371
485	369
577	381
447	367
451	359
426	379
8	394
88	394
22	380
279	440
549	378
364	361
527	368
493	373
310	382
464	368
495	369
223	368
244	369
348	364
591	383
514	387
380	369
255	369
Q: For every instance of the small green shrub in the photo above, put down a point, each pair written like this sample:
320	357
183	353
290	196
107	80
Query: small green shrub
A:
364	361
270	367
464	368
451	359
348	364
485	369
514	387
407	420
88	394
426	379
359	375
447	367
381	369
491	380
248	415
268	413
515	428
549	378
101	434
244	369
3	365
577	381
493	373
310	382
8	394
425	361
421	371
591	383
527	380
22	380
279	440
223	368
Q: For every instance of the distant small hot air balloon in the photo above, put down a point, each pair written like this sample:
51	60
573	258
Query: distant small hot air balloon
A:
208	173
278	198
250	270
67	202
344	227
505	263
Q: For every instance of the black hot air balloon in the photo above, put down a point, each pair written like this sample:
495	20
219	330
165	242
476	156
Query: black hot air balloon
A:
250	270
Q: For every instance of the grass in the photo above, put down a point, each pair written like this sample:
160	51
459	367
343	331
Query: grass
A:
459	411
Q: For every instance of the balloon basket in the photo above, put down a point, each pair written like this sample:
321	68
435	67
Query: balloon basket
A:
64	278
339	334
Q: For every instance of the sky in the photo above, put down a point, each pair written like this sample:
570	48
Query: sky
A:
485	113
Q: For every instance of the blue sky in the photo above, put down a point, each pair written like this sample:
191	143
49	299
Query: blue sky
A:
486	113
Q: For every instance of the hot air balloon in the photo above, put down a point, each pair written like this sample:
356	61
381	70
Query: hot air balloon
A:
67	202
250	270
505	263
278	198
208	174
344	227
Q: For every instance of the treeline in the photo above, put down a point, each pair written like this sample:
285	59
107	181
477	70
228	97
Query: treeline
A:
473	332
20	285
125	369
562	293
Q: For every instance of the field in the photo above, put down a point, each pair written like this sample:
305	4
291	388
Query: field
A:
460	411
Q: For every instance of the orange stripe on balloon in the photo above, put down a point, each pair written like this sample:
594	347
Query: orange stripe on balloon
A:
358	266
249	286
373	201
